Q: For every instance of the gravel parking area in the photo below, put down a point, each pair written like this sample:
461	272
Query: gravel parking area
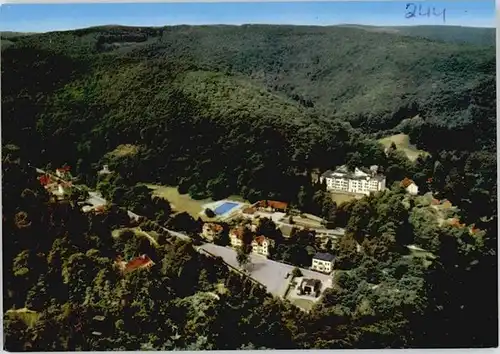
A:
268	272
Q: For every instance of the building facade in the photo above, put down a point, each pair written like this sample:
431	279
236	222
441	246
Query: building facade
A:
360	181
410	186
236	237
309	287
262	245
322	262
271	206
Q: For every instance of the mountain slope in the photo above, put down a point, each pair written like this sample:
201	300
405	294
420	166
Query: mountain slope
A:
234	107
325	64
451	34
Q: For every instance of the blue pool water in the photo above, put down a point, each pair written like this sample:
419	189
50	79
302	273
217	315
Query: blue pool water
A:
225	207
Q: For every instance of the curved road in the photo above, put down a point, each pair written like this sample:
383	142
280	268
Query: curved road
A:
268	272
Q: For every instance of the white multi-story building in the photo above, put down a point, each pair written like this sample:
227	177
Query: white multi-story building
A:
361	181
322	262
261	245
236	237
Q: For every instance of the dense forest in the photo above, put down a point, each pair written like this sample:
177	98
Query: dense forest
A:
253	111
64	292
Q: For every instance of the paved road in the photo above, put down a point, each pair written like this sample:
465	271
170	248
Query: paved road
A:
96	200
268	272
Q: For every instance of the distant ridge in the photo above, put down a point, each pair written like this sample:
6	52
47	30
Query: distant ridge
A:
444	33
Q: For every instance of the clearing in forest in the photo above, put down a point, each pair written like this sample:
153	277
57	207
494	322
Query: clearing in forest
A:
402	142
179	202
125	150
340	198
183	202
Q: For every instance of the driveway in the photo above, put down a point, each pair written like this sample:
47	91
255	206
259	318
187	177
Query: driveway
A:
268	272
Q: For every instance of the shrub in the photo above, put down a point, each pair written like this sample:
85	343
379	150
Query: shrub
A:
209	213
296	272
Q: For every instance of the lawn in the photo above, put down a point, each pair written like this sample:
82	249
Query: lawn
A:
340	198
303	303
304	221
179	202
183	202
125	150
402	142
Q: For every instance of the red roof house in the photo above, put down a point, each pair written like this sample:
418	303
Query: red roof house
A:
44	180
237	233
406	182
141	262
61	172
273	204
260	240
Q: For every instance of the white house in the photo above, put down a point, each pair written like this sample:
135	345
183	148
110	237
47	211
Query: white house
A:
410	186
361	181
322	262
236	237
261	245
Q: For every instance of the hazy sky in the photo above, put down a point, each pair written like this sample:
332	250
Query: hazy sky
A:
48	17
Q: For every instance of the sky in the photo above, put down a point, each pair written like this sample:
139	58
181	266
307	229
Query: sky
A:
52	17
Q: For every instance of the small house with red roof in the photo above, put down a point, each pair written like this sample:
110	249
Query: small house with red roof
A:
141	262
410	186
236	236
211	230
45	180
271	205
261	245
63	171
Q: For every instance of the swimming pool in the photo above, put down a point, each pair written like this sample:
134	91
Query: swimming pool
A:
225	207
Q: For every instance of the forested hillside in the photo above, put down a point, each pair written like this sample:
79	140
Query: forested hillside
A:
452	34
100	87
252	111
63	290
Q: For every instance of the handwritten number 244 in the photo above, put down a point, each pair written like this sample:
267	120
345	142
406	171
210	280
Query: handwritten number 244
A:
411	9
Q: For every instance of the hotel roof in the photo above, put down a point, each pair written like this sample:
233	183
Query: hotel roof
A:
344	172
324	256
